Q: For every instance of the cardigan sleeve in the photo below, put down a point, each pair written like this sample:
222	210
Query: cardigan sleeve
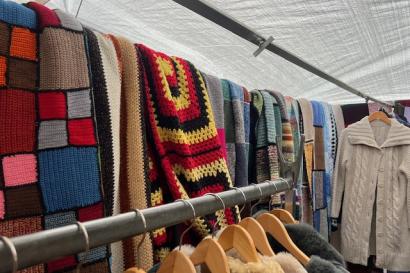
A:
339	175
405	170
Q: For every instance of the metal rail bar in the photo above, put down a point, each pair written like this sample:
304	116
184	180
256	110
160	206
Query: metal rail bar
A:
218	17
52	244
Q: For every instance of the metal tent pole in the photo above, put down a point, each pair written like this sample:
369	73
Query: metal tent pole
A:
213	14
51	244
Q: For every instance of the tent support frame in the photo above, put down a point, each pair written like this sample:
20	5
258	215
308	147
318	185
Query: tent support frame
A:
218	17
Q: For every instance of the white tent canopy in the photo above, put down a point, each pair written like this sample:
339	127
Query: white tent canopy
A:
363	43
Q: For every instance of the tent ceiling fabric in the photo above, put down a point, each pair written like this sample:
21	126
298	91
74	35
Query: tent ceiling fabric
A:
363	43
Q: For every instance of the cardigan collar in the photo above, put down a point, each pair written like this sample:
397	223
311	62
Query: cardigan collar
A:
361	133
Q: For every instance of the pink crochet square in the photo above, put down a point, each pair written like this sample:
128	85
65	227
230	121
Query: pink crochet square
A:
19	169
2	211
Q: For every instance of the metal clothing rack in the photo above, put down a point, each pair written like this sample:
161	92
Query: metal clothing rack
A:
51	244
211	13
48	245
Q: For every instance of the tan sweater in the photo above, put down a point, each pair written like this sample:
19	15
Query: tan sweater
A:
373	169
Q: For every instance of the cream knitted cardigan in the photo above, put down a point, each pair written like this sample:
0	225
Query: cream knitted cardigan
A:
374	157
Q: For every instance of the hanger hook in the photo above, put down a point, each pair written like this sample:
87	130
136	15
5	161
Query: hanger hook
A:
9	244
83	230
223	207
144	223
260	198
244	198
271	197
192	222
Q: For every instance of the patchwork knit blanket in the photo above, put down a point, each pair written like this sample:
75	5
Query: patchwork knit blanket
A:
237	123
186	158
50	173
215	93
319	178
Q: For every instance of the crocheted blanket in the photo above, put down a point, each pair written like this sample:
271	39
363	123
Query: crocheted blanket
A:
186	158
237	124
50	174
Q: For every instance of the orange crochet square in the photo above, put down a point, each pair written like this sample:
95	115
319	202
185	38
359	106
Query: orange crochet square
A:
23	44
3	69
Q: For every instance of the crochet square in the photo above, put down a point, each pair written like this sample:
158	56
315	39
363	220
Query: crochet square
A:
79	104
3	70
5	38
67	71
2	206
22	74
19	169
17	121
19	227
17	14
52	105
23	201
23	44
52	134
69	178
59	219
91	212
81	132
93	255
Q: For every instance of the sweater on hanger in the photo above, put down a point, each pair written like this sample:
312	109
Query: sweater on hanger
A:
51	173
185	155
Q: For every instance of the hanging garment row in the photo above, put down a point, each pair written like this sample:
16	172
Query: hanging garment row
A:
92	125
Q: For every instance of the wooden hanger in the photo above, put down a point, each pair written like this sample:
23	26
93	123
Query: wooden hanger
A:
380	115
176	262
211	253
255	230
236	237
285	216
258	235
272	225
134	270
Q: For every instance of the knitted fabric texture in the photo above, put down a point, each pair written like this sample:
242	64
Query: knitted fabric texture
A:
216	97
21	205
49	173
286	145
266	162
106	80
319	177
186	157
237	122
134	183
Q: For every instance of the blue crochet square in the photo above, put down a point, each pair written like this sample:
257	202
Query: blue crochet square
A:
59	219
17	14
69	178
93	255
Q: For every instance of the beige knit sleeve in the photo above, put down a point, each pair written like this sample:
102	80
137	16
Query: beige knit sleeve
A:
405	175
339	174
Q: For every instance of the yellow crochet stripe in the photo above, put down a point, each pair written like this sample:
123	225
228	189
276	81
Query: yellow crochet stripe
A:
161	254
181	137
200	135
158	232
198	173
167	69
156	198
183	100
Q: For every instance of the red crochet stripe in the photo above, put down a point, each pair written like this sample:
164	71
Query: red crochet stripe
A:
46	16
